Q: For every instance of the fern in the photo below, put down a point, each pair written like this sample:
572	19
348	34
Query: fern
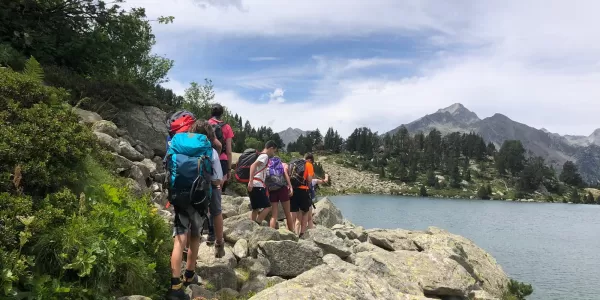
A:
33	69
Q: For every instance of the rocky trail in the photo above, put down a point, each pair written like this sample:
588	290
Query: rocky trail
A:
335	260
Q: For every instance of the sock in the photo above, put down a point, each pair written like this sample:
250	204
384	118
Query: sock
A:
175	281
189	274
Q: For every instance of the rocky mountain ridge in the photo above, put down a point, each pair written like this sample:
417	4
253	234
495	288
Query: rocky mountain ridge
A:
554	148
291	135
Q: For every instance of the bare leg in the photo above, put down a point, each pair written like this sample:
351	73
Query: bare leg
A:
177	255
304	222
289	217
192	253
310	224
254	214
263	214
274	210
297	222
218	225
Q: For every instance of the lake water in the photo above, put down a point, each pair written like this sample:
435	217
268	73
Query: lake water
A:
554	247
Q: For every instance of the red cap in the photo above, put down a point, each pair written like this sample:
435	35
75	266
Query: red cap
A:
182	124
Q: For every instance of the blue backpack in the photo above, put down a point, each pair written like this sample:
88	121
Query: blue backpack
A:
189	170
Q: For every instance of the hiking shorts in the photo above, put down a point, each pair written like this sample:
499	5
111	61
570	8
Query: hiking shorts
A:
300	200
187	219
214	207
280	195
225	167
259	198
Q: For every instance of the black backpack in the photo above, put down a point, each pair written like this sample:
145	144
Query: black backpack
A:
218	128
242	170
297	168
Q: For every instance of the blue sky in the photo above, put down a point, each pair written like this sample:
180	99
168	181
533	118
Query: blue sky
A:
380	63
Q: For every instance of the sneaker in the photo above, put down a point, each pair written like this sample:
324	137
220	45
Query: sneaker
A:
177	292
187	281
210	240
219	250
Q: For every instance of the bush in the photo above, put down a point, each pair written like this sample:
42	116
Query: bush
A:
423	191
517	290
483	193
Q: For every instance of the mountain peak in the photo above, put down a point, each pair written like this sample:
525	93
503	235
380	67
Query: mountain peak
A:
460	113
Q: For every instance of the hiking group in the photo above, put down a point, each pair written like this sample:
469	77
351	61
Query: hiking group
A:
198	164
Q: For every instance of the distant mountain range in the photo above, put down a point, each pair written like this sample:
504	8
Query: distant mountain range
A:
291	135
555	148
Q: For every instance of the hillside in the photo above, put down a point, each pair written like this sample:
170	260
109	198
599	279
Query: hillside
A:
291	135
554	148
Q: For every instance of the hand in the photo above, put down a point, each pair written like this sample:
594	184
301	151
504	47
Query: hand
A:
250	186
291	191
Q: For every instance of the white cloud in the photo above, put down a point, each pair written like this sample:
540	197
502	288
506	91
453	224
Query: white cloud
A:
276	97
534	61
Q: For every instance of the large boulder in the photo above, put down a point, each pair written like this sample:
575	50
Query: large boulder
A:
107	142
138	175
289	259
480	264
121	163
218	275
326	214
240	249
328	241
255	267
107	127
87	117
148	165
393	239
262	234
259	283
236	229
417	273
144	150
206	256
350	232
147	124
129	152
335	279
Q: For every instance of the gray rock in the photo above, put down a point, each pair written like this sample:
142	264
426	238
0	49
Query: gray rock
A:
392	239
287	235
240	249
481	295
289	259
129	152
148	164
351	232
227	293
326	214
147	124
417	273
137	174
86	116
219	276
143	168
106	127
121	163
134	187
255	267
199	291
107	142
160	198
335	279
261	234
144	150
260	283
155	187
481	265
328	241
241	229
206	256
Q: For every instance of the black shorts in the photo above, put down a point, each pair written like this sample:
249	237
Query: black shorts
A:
259	198
300	200
225	167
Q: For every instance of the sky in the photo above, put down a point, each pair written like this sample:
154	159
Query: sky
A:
381	63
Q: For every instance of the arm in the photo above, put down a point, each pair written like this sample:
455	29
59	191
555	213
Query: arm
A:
228	151
252	173
218	146
287	179
216	166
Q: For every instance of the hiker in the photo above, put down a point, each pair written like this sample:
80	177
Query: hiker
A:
314	186
259	198
280	190
301	174
224	134
194	172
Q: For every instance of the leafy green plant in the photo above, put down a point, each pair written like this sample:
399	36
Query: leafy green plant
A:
517	290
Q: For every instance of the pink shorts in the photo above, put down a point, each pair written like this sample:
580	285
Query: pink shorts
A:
280	195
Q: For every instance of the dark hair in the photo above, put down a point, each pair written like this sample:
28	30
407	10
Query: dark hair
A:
309	156
270	144
216	110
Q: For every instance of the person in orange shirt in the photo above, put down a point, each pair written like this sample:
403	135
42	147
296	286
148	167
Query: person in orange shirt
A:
301	201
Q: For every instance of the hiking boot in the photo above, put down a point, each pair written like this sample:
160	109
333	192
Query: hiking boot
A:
187	281
177	292
210	240
219	250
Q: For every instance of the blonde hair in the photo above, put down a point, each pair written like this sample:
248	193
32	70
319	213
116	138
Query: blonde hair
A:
203	127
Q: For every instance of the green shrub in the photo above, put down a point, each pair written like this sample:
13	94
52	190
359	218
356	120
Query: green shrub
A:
517	290
423	191
39	135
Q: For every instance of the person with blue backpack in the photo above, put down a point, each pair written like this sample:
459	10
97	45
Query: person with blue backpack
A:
280	190
193	172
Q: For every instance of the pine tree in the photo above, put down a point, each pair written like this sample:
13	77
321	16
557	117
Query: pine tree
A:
423	191
468	176
483	193
511	157
570	174
574	197
431	179
454	176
